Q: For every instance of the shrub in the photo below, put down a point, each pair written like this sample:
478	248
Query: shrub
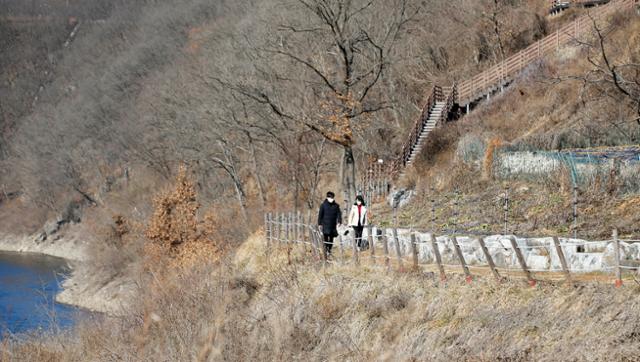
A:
174	230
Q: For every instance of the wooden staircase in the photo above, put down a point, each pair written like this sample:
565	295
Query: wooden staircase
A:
435	111
434	116
468	92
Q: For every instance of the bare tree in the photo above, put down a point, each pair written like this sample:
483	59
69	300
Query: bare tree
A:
610	91
616	76
328	59
228	163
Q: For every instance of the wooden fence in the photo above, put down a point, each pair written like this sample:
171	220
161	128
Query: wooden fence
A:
384	250
374	183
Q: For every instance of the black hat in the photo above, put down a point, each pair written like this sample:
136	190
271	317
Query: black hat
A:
331	194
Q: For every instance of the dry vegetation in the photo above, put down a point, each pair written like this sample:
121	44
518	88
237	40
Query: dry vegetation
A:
243	92
266	102
564	102
261	307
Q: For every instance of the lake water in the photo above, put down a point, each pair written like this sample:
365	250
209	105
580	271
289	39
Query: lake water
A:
28	285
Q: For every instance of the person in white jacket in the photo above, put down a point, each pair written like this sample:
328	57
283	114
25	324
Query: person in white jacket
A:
358	219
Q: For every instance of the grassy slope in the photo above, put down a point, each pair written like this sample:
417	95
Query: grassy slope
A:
265	308
363	314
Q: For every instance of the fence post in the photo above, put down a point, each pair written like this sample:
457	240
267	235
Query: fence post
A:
563	261
487	255
341	248
433	210
521	61
616	252
274	222
354	245
288	227
465	268
398	252
436	252
506	210
299	229
294	227
304	230
324	249
279	227
575	210
385	248
503	79
313	233
414	250
308	227
455	211
523	263
312	242
270	228
371	244
266	227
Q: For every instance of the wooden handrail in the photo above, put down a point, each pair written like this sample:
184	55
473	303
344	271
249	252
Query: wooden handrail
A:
471	88
448	95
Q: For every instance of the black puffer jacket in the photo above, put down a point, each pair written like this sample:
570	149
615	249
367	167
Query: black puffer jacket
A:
329	217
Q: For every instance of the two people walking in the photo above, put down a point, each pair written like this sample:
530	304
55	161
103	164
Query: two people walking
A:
330	217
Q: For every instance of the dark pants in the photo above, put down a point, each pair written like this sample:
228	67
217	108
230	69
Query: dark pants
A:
358	230
327	240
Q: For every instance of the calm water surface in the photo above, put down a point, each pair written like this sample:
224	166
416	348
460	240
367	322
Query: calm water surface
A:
28	285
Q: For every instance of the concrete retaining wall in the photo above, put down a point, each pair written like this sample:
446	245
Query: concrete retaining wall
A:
540	253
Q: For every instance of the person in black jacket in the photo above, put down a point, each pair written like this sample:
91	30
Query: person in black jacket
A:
329	217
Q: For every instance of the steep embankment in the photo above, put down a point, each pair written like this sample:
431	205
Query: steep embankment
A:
301	311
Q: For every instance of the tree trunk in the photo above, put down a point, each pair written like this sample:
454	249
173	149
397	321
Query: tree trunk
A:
348	174
242	199
256	170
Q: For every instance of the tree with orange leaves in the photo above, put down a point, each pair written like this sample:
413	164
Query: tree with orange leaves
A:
174	229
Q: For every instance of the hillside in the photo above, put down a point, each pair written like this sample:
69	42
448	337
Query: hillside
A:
146	140
142	90
552	107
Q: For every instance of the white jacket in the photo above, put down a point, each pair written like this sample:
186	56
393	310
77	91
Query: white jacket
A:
353	216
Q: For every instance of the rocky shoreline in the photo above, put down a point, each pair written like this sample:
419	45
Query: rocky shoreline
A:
81	289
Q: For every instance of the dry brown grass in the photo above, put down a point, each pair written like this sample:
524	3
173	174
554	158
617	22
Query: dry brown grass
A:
261	307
